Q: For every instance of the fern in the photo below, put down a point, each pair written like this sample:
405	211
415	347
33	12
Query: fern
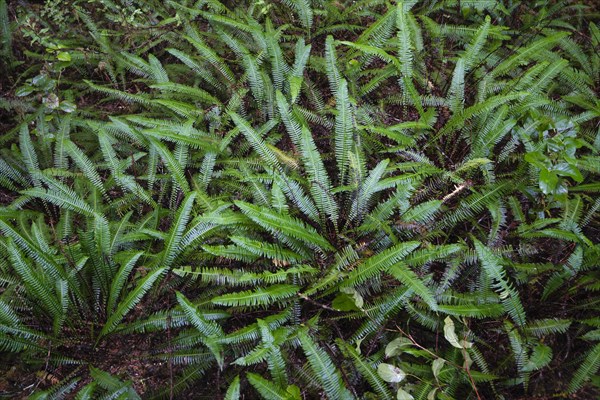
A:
344	130
307	173
131	300
267	389
323	368
380	262
259	297
320	184
586	370
366	369
173	241
508	295
284	226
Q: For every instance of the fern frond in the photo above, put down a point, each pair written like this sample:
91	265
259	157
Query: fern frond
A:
423	212
405	51
84	163
267	250
131	300
172	164
28	152
64	198
197	318
40	287
212	57
173	242
405	275
280	224
586	370
267	389
333	74
128	97
526	52
320	187
366	369
119	281
304	10
259	297
190	91
474	48
295	193
323	368
344	130
476	310
259	145
508	295
380	262
233	391
548	326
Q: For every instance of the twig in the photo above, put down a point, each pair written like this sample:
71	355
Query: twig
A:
457	190
324	306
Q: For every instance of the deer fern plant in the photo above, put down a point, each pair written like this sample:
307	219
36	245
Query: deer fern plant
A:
302	198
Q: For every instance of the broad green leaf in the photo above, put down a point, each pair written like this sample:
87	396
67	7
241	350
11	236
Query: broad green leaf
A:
396	346
404	395
63	56
450	335
436	367
390	373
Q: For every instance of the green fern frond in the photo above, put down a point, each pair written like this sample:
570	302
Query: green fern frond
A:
284	226
333	74
119	280
72	202
128	97
405	275
476	310
423	212
256	141
30	158
267	250
259	297
380	31
231	252
131	300
366	190
212	57
380	262
267	389
296	194
190	91
196	317
320	185
172	164
173	242
526	52
304	10
405	51
475	46
233	391
40	287
84	163
366	369
548	326
323	368
586	370
344	129
508	295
